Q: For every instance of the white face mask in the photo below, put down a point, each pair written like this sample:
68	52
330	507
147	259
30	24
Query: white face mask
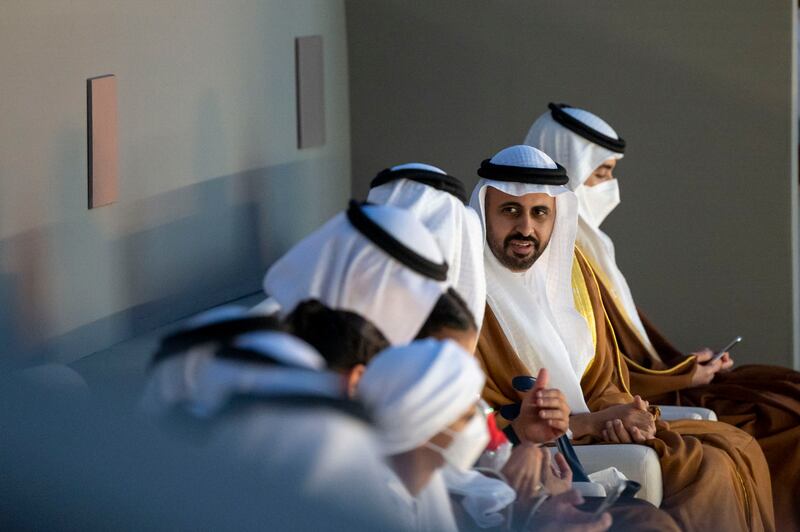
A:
597	202
467	445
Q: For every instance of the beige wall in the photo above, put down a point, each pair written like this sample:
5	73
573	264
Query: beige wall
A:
212	185
702	91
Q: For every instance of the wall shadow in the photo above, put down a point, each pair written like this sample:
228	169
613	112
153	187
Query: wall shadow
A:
217	252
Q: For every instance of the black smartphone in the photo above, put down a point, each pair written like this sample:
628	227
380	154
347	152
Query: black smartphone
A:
725	349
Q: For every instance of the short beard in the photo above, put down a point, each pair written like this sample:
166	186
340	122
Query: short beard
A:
513	263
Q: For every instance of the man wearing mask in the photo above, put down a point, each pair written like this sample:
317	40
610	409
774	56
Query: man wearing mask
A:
343	272
424	397
541	315
763	401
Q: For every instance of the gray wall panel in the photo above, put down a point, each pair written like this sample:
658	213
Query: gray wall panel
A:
212	186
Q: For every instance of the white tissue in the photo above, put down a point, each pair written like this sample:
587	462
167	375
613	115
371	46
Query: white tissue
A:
609	478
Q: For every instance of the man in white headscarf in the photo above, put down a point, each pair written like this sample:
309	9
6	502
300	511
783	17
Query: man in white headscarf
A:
543	310
589	149
377	261
234	385
761	400
366	279
528	268
424	397
437	199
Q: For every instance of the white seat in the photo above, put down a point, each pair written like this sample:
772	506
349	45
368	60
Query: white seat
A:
636	462
671	413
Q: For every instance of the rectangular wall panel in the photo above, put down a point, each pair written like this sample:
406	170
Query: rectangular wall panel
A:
102	141
310	92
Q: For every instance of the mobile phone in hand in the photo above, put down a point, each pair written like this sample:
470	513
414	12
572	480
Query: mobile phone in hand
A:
725	349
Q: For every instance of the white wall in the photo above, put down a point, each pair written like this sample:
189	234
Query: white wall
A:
702	92
212	185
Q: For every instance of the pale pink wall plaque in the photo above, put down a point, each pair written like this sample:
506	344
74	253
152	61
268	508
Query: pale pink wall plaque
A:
101	95
310	91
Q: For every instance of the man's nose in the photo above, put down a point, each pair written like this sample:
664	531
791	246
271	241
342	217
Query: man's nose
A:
526	226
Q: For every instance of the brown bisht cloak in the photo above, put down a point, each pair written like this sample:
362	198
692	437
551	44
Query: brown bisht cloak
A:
764	401
715	475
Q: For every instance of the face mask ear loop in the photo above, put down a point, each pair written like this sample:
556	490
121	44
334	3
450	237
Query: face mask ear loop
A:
441	450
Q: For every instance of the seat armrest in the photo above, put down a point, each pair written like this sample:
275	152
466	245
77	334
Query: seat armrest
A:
636	462
671	413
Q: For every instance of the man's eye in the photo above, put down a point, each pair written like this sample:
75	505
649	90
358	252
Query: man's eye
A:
541	212
510	210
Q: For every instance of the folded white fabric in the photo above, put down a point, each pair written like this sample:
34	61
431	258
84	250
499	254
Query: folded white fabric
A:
609	478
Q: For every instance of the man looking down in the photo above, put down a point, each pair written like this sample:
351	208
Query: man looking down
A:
764	401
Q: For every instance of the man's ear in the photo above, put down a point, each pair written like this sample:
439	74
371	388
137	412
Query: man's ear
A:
353	378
